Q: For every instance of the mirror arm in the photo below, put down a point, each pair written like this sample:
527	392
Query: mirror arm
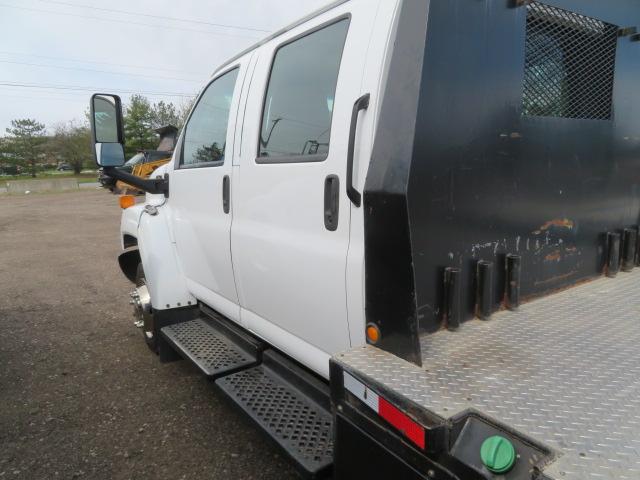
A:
152	185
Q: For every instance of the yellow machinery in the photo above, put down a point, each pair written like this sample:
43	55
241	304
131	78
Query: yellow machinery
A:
145	163
144	169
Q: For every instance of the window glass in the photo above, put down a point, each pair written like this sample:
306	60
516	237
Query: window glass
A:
206	133
298	108
135	160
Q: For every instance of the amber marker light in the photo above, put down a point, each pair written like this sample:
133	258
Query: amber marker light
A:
373	334
127	201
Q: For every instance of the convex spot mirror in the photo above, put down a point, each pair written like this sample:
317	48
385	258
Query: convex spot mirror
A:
107	130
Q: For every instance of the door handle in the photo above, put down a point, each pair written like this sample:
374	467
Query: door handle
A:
361	104
331	202
226	190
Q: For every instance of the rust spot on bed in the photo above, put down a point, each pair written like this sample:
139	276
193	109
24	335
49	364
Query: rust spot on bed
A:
556	279
556	222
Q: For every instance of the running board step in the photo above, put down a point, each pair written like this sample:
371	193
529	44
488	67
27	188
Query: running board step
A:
291	406
214	346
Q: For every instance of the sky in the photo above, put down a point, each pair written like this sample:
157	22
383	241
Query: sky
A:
55	53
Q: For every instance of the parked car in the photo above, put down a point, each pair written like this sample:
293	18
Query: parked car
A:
64	167
9	169
385	230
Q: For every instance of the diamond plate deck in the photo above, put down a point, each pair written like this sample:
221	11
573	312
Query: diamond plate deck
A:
564	370
208	348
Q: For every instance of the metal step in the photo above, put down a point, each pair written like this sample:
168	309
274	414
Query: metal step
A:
291	406
213	346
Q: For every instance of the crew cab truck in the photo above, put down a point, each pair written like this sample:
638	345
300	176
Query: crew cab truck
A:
401	235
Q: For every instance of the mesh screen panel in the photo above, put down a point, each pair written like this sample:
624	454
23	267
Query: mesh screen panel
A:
569	64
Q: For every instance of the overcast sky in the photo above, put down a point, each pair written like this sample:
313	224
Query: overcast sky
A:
89	44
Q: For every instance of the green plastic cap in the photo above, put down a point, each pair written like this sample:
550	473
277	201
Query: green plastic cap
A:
498	454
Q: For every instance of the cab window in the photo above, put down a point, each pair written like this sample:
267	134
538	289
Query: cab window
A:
206	133
298	107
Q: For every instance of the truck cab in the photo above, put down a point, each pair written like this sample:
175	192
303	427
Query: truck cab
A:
264	150
370	215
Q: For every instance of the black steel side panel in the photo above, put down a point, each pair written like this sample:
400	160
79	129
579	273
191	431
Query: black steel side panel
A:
390	291
486	181
358	455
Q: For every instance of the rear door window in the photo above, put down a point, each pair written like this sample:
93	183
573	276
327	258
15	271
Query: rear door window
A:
298	107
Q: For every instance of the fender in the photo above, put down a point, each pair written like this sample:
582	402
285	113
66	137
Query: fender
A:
164	276
129	225
130	257
145	237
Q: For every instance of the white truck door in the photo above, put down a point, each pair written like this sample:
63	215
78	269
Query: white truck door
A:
199	184
289	259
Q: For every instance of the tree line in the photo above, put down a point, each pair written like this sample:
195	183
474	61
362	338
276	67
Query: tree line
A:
29	147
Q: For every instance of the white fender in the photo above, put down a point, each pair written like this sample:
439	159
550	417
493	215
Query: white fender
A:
165	280
129	223
149	222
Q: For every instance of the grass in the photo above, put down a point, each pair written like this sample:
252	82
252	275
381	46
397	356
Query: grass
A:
85	177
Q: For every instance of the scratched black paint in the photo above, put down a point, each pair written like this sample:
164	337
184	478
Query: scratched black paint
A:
390	293
485	181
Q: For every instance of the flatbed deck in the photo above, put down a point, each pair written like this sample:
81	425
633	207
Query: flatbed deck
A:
563	370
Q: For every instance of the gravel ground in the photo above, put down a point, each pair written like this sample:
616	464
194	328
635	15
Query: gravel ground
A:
81	396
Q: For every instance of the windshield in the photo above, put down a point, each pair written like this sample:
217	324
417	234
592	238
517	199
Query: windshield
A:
135	160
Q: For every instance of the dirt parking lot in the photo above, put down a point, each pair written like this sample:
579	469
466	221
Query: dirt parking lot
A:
81	396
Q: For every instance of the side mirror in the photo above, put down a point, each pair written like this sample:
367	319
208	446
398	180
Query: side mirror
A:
107	130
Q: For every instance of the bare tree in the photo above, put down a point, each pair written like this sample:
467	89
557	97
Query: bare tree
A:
72	143
183	111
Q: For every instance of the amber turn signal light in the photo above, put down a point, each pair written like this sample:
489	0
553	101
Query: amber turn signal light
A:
127	201
373	334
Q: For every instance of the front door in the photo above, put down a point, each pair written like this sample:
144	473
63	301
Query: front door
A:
289	258
199	185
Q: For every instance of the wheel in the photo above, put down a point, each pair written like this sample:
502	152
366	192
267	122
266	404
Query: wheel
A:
142	309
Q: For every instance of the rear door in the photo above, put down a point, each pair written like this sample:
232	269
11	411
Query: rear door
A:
290	234
198	193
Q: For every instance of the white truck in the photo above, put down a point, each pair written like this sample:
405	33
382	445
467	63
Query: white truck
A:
385	233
